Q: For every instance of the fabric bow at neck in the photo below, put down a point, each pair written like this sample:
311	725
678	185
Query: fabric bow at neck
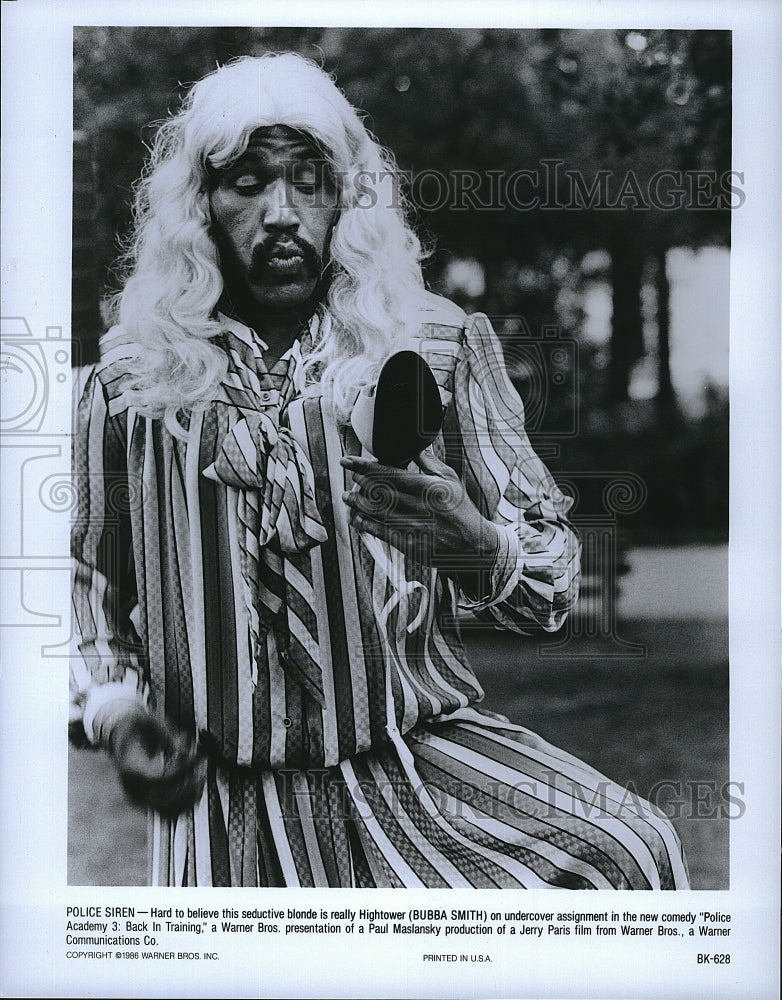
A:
260	457
260	454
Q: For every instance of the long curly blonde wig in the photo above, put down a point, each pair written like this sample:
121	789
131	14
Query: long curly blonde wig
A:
172	276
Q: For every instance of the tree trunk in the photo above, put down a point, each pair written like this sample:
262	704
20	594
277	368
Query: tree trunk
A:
627	344
665	393
86	323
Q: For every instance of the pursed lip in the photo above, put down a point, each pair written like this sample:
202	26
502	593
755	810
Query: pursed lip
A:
284	257
284	251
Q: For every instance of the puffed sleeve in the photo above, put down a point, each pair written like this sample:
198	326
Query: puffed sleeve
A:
533	582
109	665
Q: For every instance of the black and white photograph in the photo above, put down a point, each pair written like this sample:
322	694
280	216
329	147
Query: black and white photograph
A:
394	505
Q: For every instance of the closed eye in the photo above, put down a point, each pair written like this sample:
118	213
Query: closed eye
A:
248	181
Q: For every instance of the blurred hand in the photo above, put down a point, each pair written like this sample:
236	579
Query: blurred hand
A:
428	515
159	766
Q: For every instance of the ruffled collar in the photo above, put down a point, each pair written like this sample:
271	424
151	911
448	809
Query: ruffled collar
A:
248	382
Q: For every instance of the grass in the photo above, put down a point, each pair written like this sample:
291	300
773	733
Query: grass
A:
660	718
663	717
107	837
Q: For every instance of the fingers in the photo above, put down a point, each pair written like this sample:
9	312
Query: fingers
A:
178	790
394	528
383	503
436	499
169	795
158	765
438	488
429	463
354	463
366	472
414	542
433	466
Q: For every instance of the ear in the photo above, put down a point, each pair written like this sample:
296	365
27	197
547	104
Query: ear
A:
336	216
329	265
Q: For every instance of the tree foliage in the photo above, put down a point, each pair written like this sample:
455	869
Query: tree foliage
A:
581	104
573	105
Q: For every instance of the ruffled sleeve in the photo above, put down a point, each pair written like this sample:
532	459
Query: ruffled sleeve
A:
533	582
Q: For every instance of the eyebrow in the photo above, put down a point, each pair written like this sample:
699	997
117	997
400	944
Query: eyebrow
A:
301	149
255	157
256	154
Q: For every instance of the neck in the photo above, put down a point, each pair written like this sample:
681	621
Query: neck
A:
279	329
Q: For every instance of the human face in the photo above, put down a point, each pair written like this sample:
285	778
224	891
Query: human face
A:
272	214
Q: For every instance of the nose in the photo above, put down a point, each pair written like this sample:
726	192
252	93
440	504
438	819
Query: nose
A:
279	212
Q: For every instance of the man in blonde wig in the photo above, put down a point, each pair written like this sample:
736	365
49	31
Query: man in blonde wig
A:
268	616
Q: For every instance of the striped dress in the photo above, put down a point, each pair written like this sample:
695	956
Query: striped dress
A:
326	678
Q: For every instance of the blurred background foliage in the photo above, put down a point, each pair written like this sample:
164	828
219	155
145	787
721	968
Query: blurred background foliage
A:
630	103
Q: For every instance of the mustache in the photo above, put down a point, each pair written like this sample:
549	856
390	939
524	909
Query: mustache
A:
273	246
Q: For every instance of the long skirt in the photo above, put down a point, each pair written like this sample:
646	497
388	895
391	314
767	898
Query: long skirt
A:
473	801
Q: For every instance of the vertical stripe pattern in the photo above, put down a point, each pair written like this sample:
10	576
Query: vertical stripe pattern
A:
220	571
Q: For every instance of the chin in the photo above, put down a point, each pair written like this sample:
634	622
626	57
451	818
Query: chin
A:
285	298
